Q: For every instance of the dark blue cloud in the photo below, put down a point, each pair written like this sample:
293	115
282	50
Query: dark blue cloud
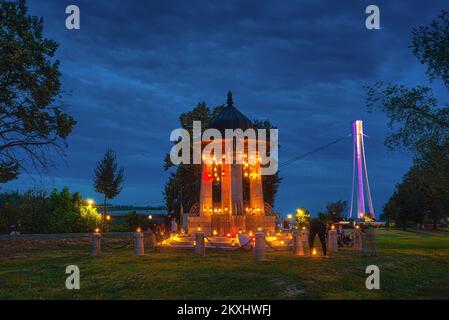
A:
136	65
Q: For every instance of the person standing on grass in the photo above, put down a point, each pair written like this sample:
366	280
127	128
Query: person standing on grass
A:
317	228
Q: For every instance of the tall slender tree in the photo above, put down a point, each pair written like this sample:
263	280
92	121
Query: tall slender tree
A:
108	178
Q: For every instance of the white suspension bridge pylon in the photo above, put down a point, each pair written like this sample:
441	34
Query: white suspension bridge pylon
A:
359	162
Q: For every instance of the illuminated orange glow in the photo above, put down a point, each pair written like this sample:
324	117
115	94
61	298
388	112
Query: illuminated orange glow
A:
139	230
97	230
314	252
215	232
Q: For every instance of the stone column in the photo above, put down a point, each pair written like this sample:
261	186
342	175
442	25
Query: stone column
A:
226	196
206	190
256	193
237	189
96	244
332	244
138	244
259	249
298	249
199	244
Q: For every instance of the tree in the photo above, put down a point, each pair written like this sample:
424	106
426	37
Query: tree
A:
420	196
336	209
430	45
420	124
414	113
302	216
62	216
432	173
390	210
108	178
32	120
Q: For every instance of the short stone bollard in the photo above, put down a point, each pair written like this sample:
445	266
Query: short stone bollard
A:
332	244
298	248
259	248
96	244
358	241
200	248
150	240
139	248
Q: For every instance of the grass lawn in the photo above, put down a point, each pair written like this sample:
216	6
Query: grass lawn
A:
413	265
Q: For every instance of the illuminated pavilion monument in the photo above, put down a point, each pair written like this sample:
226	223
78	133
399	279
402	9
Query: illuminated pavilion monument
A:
231	198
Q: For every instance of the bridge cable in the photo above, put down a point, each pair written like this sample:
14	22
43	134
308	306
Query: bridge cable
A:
301	156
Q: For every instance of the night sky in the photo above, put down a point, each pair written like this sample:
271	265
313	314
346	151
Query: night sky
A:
136	65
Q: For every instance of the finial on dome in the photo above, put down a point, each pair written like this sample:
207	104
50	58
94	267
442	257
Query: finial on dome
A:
230	103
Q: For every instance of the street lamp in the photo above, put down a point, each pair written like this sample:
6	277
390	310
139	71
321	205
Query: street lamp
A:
150	217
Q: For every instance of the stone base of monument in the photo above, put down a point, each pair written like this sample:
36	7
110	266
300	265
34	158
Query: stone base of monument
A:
223	225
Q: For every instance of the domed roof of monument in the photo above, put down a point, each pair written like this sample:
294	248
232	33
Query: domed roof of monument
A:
230	118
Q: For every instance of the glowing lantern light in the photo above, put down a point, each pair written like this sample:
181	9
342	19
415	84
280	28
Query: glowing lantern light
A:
108	217
139	230
199	228
97	230
215	232
259	229
333	227
314	252
228	235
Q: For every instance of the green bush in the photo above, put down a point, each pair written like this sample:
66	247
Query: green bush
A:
36	212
